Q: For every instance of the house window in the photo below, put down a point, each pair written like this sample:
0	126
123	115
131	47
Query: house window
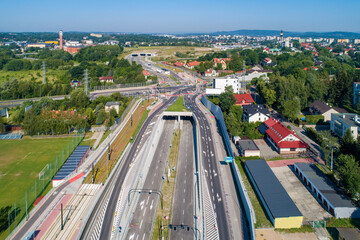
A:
292	149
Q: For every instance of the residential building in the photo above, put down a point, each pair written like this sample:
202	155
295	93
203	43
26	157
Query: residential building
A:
178	64
343	41
356	41
341	122
219	85
320	108
222	61
243	99
75	83
332	199
267	124
110	105
107	79
256	113
211	73
284	140
356	97
146	74
267	62
191	65
37	45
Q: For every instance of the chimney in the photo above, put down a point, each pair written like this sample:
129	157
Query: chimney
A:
343	116
61	39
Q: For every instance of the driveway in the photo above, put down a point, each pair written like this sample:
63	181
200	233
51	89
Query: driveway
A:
303	199
266	151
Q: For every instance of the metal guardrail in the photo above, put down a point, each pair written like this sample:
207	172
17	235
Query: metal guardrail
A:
249	210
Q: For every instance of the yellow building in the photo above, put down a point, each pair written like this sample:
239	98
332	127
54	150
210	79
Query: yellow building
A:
52	42
280	208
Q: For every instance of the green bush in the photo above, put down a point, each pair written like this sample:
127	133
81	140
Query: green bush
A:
311	133
314	119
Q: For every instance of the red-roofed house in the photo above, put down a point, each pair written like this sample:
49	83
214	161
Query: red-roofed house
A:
267	61
146	73
267	124
284	140
108	79
178	64
243	99
193	64
222	61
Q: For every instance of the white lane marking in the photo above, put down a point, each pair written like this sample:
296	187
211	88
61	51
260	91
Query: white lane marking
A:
141	223
142	204
144	212
151	206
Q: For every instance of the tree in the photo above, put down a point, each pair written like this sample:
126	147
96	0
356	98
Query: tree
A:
78	99
227	99
291	108
1	125
348	144
101	117
349	173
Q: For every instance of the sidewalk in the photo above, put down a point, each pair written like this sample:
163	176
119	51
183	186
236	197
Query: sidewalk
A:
232	202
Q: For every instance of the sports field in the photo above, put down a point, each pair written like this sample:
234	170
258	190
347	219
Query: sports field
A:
21	161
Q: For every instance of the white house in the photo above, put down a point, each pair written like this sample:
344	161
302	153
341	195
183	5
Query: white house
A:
110	105
219	85
256	113
341	122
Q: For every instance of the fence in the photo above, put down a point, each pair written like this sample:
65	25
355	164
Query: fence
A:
250	215
21	208
125	85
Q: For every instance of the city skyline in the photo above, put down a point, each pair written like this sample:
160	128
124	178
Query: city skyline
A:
188	17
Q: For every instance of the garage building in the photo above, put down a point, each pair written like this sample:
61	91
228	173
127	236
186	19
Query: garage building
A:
280	208
326	192
248	148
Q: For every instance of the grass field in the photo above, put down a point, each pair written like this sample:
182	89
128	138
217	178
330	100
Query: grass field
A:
21	161
262	220
178	106
28	75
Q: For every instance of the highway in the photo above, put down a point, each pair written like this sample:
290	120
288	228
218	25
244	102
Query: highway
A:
142	221
211	171
183	206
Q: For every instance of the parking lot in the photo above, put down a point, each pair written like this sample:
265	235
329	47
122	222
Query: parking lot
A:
303	199
266	151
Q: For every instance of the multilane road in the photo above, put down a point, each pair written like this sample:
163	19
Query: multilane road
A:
183	208
209	164
141	224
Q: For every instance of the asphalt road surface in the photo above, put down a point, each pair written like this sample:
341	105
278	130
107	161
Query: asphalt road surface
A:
119	179
142	222
183	206
209	163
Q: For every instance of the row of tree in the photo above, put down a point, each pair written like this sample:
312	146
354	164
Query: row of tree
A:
48	116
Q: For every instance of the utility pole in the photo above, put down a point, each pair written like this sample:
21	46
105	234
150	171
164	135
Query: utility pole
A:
86	80
44	72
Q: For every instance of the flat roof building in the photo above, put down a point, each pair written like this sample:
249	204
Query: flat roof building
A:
248	148
340	122
326	192
280	208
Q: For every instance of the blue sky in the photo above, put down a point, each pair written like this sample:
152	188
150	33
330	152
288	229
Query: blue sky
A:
171	16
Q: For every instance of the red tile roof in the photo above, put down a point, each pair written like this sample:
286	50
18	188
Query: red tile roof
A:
178	64
243	99
106	78
270	122
194	63
146	73
278	132
267	59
